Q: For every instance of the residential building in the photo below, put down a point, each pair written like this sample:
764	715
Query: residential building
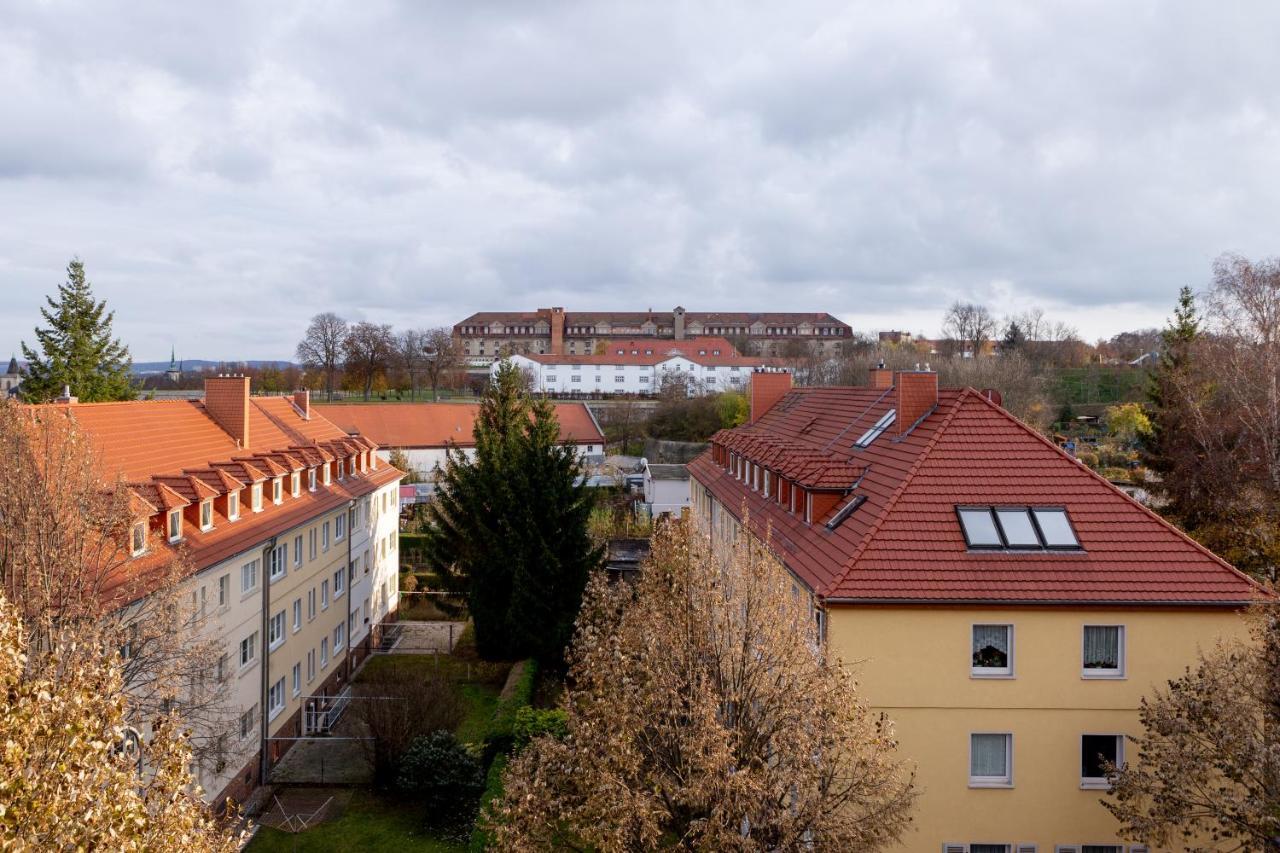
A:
425	431
1004	605
289	529
642	367
553	331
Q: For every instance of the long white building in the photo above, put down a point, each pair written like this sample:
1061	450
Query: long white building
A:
642	366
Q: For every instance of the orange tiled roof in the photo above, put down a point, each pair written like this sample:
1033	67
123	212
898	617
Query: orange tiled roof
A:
905	542
421	425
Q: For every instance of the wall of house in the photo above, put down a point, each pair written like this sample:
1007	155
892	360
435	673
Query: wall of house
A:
913	663
425	459
666	495
631	378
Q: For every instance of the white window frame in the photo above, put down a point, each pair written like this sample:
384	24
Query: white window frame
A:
138	538
339	637
324	594
311	604
278	562
339	526
297	679
1099	783
249	651
233	506
311	479
255	497
1118	674
295	483
327	477
993	671
324	537
277	491
324	652
206	515
256	566
1005	781
297	615
275	699
275	631
224	590
297	551
174	525
339	583
311	666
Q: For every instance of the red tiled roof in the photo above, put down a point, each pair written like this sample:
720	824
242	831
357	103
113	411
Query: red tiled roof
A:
905	543
414	425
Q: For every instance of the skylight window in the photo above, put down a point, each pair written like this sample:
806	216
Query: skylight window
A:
1018	530
886	420
979	528
1055	528
1016	527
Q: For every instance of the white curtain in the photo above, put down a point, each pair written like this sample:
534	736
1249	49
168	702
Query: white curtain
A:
993	636
1101	647
989	755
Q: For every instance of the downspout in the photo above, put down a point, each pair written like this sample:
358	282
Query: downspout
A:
351	534
263	711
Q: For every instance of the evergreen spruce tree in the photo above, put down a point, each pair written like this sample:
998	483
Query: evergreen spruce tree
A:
1167	447
509	527
77	349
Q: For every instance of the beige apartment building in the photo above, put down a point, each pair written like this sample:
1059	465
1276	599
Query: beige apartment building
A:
290	528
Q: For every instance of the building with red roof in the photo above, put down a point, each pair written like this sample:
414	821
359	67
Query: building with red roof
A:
426	431
287	526
1004	604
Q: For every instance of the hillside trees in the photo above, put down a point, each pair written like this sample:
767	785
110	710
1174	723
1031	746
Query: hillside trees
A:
1216	415
509	528
77	349
701	715
68	784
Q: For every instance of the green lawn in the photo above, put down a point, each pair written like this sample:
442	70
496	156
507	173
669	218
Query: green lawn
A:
369	824
481	699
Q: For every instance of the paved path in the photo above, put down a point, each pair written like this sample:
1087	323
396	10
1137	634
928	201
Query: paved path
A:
424	638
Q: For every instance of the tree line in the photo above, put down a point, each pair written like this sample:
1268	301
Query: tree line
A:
365	356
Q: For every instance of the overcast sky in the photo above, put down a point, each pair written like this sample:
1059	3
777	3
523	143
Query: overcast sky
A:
226	175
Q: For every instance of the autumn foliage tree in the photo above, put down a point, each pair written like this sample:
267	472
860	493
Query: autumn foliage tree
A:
66	783
702	715
1207	771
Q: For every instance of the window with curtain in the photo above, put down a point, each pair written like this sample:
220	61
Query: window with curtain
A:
992	650
1103	650
989	759
1096	751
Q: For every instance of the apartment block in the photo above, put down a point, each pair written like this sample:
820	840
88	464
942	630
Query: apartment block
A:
289	528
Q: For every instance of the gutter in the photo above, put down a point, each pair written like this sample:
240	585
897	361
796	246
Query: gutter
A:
1032	602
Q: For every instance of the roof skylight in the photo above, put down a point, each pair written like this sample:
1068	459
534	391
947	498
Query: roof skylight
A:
886	420
1016	527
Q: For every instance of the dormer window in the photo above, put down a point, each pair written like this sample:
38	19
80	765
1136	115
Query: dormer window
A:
311	479
327	480
295	483
352	463
233	505
277	490
206	515
255	496
138	538
175	525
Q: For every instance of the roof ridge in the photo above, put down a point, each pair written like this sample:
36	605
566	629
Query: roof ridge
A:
835	582
1182	534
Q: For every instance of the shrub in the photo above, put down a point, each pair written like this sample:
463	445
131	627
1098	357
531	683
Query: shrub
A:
443	777
533	722
482	835
501	737
1089	458
407	706
409	583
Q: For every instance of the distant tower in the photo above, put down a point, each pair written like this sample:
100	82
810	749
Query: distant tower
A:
174	373
677	317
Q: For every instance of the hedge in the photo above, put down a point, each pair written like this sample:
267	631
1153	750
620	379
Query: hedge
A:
501	736
481	836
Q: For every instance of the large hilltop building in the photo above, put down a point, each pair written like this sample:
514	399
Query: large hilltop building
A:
1007	607
553	331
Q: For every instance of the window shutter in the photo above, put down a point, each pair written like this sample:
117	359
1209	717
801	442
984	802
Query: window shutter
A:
951	847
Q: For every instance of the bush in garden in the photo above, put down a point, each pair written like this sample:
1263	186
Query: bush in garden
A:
532	723
438	772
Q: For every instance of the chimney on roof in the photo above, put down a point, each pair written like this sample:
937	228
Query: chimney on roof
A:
557	331
916	393
302	399
767	388
881	376
66	396
226	399
677	319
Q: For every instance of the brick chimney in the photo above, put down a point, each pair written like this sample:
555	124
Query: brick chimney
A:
677	323
917	395
66	397
226	399
881	376
767	388
302	399
557	331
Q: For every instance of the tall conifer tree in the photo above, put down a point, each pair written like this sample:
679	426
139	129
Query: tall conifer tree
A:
509	527
1169	445
77	349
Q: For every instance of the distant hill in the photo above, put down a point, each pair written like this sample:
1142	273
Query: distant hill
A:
145	368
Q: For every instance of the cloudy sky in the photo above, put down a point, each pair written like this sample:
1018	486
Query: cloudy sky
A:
228	172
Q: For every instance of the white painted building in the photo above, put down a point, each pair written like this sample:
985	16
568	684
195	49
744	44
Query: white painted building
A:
666	488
